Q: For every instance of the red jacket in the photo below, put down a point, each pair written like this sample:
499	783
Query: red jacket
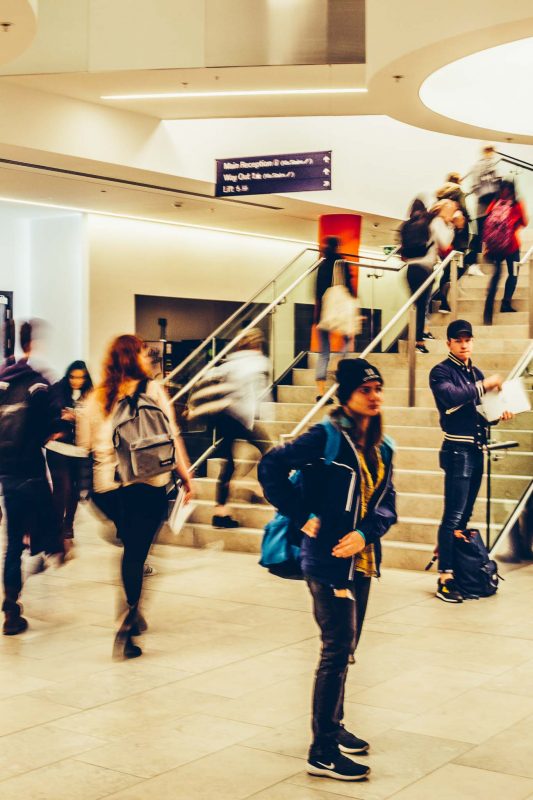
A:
520	220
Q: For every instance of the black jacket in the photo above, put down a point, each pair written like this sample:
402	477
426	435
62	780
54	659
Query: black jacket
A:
25	419
331	492
458	388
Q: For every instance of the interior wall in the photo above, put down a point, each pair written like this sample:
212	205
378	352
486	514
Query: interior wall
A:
128	258
14	262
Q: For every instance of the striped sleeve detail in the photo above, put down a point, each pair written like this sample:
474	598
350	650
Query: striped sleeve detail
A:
480	389
38	387
450	437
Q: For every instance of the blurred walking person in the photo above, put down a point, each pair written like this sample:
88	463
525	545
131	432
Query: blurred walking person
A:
65	459
137	507
26	417
485	179
505	216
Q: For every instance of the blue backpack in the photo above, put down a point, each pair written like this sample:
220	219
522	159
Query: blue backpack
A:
280	548
475	573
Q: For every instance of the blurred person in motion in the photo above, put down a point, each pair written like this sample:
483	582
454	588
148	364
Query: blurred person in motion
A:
426	237
63	456
26	419
485	179
505	216
324	280
451	190
137	509
234	391
343	508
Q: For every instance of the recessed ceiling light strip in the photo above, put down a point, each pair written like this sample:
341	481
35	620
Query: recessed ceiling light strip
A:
247	93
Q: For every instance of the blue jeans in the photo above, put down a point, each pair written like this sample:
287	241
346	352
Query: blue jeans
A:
463	472
323	356
29	510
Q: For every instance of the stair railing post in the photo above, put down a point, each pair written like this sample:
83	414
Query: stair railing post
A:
530	294
454	274
411	355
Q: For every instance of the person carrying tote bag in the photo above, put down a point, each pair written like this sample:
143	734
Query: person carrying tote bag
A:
337	312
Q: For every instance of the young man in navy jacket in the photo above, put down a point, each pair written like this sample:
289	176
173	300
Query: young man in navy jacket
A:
458	387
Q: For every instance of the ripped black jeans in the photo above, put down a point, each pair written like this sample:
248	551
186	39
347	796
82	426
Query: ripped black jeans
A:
463	471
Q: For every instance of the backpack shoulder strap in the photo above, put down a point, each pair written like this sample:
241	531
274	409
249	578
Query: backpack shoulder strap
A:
333	440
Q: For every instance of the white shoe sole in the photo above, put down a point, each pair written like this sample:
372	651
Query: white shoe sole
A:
328	773
349	752
447	599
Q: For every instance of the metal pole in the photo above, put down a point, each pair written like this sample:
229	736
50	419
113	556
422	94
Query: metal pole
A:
489	487
456	260
411	356
530	279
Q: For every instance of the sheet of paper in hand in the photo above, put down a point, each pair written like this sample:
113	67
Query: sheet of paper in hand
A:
513	397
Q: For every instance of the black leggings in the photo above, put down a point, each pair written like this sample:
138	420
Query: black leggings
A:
231	429
416	275
137	512
65	480
510	284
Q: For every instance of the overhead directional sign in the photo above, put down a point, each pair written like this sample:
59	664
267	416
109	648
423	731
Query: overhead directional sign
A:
292	172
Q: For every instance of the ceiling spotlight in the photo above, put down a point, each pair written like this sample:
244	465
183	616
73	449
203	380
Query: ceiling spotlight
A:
6	26
177	204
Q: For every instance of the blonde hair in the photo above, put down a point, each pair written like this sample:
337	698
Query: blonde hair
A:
252	340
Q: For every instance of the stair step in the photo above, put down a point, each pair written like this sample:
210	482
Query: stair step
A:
482	346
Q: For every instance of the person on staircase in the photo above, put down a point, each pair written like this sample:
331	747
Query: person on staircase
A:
437	227
324	280
458	387
485	179
247	371
505	216
136	509
26	419
343	509
451	190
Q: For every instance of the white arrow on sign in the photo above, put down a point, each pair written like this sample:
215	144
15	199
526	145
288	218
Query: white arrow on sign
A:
326	171
326	159
326	183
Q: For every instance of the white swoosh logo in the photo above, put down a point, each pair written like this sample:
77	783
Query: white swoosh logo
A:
326	766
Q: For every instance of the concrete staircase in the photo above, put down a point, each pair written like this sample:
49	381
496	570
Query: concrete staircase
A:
418	479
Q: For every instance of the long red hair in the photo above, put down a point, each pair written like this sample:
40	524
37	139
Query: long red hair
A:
122	363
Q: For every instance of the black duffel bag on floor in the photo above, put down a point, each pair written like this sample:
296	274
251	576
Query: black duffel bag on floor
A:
475	573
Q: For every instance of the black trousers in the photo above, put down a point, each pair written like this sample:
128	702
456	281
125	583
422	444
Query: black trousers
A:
510	284
65	481
29	511
137	512
340	620
416	275
231	429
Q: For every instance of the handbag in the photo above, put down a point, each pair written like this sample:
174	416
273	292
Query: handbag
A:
340	310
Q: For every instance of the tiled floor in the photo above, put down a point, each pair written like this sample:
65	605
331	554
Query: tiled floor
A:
218	706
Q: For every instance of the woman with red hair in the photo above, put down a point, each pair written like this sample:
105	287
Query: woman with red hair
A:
139	508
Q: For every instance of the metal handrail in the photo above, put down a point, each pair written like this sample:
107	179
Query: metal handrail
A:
527	256
522	362
202	346
373	344
237	311
513	519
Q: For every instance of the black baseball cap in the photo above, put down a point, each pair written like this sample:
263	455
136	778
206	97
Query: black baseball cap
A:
459	327
352	373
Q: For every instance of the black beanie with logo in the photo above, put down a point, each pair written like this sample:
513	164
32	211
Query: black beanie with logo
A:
351	374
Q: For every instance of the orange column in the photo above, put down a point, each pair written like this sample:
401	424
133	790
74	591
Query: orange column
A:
347	229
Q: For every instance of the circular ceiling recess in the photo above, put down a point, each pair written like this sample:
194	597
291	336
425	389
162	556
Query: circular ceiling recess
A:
490	89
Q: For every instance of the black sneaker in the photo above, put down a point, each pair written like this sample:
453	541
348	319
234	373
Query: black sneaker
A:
448	591
224	522
340	767
444	307
428	335
349	743
421	348
506	308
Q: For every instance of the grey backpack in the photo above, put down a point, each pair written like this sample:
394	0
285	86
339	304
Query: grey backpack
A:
142	438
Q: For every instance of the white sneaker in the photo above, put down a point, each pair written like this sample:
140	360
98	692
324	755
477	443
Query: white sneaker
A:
475	270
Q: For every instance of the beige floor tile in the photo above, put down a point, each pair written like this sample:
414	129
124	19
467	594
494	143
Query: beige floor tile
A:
274	705
288	791
22	711
109	685
510	752
66	780
13	683
517	681
472	717
464	783
415	691
216	652
231	774
38	746
397	760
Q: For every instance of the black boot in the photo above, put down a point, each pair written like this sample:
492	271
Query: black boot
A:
123	646
139	625
506	307
14	622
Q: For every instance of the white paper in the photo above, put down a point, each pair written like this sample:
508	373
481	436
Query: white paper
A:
180	513
513	397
